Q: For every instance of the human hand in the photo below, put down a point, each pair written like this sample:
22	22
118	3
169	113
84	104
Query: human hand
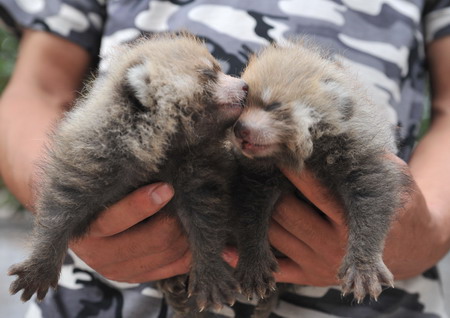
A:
315	244
122	248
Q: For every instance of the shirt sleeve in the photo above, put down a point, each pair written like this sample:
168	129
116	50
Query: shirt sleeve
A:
437	19
79	21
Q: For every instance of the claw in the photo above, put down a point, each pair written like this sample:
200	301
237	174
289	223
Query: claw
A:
364	280
26	295
41	294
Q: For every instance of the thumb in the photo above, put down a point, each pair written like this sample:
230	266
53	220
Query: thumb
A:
134	208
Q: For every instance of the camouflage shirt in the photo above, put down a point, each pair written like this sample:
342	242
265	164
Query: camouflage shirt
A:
382	40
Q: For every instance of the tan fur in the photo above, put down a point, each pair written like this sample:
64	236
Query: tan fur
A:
313	89
177	86
305	109
159	113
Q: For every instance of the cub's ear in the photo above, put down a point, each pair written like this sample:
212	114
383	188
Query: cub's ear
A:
344	101
137	79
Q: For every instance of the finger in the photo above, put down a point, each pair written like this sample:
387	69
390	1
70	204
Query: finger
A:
303	222
396	159
156	263
309	245
178	267
131	210
287	243
318	194
156	235
289	272
302	264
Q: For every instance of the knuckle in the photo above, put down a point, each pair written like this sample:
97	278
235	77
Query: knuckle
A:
169	223
101	227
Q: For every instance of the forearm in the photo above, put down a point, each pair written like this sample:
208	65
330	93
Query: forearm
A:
430	161
25	120
430	169
426	219
48	72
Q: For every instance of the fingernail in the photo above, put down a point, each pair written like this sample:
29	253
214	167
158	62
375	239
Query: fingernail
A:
161	194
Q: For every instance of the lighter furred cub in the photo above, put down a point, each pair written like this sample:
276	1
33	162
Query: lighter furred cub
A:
304	110
159	114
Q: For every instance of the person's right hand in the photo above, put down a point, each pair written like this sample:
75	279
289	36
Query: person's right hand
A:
122	248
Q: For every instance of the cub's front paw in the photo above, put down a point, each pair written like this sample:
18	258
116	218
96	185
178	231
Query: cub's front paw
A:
212	288
256	277
365	279
32	278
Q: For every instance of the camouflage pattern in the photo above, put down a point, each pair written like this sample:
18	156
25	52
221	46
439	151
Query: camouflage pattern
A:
382	40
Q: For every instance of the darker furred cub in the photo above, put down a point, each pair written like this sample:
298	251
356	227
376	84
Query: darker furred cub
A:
305	110
159	114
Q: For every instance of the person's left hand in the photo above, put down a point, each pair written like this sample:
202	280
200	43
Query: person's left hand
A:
315	244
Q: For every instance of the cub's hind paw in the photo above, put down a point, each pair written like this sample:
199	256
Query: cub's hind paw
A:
257	279
176	294
32	280
213	291
366	279
176	285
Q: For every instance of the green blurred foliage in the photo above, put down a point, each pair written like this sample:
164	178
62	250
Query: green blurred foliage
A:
8	51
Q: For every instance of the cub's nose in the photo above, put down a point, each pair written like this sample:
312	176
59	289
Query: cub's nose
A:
241	131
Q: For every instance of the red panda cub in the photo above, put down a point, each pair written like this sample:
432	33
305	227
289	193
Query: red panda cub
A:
304	111
160	113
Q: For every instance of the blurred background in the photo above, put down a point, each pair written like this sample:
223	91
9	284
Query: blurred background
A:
15	222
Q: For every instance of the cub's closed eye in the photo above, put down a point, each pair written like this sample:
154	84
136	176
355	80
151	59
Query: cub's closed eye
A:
210	74
273	106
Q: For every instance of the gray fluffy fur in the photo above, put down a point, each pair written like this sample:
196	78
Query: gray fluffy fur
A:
305	110
159	114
